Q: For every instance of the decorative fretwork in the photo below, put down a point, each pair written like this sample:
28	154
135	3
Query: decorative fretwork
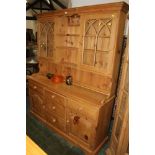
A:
47	38
96	39
74	20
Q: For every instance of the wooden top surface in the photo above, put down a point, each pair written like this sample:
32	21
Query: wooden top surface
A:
73	91
118	6
32	148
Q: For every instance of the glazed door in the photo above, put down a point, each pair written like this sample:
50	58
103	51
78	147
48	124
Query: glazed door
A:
46	39
37	103
99	41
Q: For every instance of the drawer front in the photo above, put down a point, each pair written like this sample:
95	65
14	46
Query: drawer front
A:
36	87
85	109
56	121
55	104
56	109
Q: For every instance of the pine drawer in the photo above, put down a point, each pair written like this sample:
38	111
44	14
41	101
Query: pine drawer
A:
36	87
55	103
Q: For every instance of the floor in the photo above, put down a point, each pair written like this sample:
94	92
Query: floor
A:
32	148
48	140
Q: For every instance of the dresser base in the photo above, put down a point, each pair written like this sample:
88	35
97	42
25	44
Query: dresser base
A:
67	137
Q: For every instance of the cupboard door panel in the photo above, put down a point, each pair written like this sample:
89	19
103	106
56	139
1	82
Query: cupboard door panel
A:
43	40
80	126
37	103
99	42
46	39
88	58
50	39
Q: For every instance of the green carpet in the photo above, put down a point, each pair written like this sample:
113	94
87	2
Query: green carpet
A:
49	141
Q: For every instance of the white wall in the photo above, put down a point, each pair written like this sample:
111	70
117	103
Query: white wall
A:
77	3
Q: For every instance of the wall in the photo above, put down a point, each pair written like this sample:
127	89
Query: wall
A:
77	3
31	24
73	3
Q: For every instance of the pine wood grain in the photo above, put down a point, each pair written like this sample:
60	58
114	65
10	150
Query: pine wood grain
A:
85	43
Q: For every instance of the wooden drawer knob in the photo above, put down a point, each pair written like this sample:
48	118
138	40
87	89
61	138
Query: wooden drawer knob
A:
67	121
53	96
53	120
34	87
53	107
43	107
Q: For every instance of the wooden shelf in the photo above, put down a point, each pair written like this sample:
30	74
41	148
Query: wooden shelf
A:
95	36
98	51
90	50
67	35
69	64
65	47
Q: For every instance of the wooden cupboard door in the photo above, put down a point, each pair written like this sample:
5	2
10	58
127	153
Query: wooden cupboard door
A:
80	127
37	103
50	39
46	39
42	39
120	133
99	41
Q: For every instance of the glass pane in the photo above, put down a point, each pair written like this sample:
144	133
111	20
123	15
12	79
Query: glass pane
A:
88	58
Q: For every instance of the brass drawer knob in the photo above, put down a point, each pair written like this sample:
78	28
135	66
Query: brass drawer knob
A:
53	120
67	121
53	107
